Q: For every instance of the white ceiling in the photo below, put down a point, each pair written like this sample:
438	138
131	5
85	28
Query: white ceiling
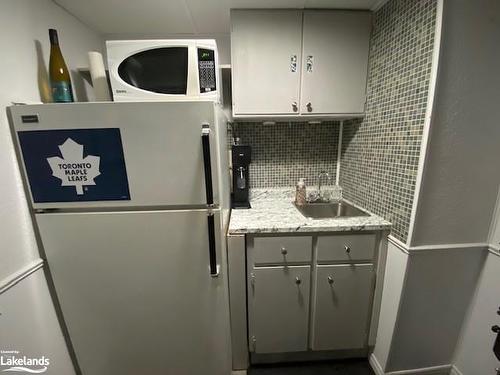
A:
167	17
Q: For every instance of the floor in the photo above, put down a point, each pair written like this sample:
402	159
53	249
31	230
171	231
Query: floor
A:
343	367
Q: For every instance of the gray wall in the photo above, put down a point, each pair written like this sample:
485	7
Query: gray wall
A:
395	272
380	154
438	288
28	324
461	177
459	191
23	74
474	353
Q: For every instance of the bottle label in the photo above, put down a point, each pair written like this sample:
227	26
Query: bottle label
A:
61	92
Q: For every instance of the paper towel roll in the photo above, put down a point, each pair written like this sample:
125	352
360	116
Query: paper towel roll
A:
99	79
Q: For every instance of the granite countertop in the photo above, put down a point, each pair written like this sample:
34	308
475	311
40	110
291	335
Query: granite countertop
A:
273	212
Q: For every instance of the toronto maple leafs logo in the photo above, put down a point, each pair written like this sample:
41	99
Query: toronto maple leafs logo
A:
73	169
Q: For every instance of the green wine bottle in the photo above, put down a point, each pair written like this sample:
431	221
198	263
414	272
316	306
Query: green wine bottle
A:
60	80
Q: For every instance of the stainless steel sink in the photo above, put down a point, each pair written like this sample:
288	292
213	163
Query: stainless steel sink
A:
329	210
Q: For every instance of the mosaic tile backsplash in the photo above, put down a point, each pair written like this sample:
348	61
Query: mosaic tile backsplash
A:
284	152
380	153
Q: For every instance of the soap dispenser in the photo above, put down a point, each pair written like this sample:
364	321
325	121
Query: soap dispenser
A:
300	192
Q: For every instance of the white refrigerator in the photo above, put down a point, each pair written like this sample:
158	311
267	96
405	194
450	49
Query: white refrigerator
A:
130	202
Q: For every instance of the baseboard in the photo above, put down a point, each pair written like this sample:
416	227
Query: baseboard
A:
434	370
306	356
455	371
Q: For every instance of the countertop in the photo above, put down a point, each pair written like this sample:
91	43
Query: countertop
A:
273	212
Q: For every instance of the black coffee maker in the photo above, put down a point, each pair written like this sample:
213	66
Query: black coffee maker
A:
241	157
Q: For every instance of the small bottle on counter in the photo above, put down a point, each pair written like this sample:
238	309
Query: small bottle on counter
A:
300	193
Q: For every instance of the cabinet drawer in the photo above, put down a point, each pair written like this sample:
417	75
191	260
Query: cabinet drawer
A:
278	250
346	247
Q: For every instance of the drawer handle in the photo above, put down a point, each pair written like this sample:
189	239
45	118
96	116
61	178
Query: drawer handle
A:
298	280
347	249
284	251
330	280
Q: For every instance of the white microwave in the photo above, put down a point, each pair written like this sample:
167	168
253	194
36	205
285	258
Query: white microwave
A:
163	70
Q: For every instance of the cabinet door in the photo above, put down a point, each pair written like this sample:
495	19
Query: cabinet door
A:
342	306
265	57
335	61
279	309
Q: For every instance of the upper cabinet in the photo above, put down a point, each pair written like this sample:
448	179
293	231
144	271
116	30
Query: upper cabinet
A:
266	53
299	63
335	56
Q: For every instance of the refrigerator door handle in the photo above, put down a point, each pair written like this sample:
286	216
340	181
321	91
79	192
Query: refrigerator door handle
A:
207	163
212	251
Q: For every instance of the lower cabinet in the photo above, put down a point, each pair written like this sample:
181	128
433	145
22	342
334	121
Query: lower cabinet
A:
279	309
342	306
302	298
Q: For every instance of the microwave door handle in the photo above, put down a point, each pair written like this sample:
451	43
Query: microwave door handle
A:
212	251
207	163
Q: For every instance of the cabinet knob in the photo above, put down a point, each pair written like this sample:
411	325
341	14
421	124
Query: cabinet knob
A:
309	107
284	251
298	280
295	108
330	280
347	249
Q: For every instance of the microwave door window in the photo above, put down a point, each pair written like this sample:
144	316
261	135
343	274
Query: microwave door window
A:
160	70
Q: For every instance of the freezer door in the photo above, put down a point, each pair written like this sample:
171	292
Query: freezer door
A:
128	154
136	293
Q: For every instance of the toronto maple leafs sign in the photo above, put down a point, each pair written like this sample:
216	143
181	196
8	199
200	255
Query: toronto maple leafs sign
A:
75	165
74	169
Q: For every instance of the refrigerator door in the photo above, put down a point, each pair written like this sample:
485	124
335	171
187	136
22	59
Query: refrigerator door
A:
136	293
141	154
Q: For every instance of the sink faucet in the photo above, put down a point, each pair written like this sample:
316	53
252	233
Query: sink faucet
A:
320	175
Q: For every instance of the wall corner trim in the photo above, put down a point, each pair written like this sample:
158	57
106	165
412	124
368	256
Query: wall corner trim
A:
20	275
494	249
412	250
428	120
339	153
434	370
455	371
375	365
400	245
449	246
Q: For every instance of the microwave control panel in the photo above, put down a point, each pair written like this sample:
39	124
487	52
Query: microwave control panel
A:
206	70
